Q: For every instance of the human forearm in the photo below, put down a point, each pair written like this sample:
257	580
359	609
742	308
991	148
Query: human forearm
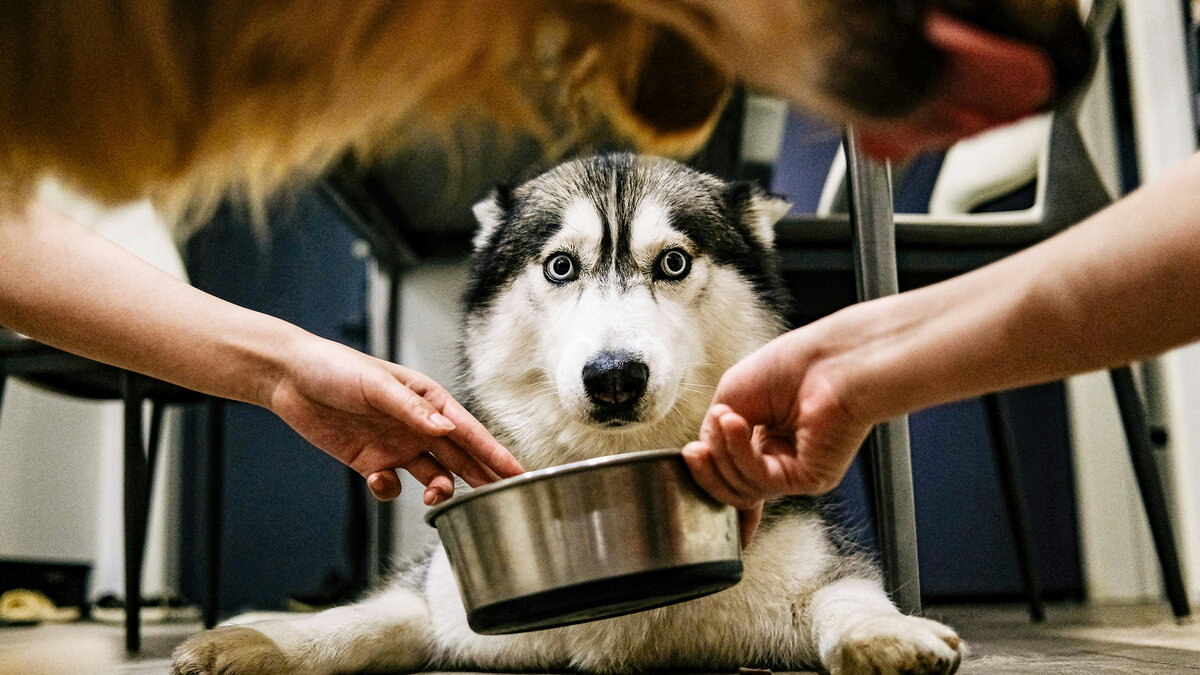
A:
66	286
1119	287
71	288
789	418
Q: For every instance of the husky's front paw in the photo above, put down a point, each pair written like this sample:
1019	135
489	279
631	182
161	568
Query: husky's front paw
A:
229	650
896	644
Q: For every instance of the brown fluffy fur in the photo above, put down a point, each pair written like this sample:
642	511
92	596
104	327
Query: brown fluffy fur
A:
185	100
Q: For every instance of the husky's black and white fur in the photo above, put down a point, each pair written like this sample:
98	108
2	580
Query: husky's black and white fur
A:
608	296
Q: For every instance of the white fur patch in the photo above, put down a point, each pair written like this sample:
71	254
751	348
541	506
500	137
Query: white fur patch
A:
581	230
650	229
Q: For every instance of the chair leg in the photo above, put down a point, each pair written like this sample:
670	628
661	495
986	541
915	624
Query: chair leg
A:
874	244
216	495
153	443
1009	468
136	497
1137	434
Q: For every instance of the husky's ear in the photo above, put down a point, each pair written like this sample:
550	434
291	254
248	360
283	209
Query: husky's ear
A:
490	212
759	209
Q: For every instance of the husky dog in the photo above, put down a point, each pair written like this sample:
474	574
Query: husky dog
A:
608	296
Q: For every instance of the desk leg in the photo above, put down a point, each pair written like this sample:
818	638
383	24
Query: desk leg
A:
874	237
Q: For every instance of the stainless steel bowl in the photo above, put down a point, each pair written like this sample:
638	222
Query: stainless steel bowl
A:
587	541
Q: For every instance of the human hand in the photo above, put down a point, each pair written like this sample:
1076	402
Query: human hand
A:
778	426
376	416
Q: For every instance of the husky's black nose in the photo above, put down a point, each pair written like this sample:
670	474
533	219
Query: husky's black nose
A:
615	380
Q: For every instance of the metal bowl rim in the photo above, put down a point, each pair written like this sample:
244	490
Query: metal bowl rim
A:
550	472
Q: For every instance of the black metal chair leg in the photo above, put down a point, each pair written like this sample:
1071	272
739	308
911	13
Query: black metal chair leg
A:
153	443
135	497
874	254
1137	434
1008	465
216	496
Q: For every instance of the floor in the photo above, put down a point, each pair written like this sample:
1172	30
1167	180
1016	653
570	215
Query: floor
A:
1129	639
1073	639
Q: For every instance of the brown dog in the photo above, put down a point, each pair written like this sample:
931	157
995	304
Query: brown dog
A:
186	101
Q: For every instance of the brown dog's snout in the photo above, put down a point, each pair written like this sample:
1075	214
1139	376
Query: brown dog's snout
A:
1054	26
885	67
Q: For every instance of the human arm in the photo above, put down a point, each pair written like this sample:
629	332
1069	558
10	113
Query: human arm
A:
1119	287
68	287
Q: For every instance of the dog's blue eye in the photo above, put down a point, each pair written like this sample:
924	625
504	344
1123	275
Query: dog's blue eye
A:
674	263
560	268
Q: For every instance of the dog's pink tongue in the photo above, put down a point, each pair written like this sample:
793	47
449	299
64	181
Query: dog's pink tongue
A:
990	80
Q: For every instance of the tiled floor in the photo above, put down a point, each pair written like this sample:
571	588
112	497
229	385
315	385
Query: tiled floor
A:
1083	640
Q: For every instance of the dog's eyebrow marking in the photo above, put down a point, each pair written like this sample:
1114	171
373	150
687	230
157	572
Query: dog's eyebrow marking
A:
581	219
582	224
652	226
597	188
